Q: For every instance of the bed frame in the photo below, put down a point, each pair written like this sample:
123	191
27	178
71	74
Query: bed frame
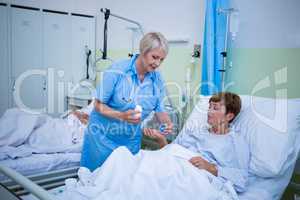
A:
21	185
294	185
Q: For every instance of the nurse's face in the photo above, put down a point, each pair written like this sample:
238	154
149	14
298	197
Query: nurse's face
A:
152	59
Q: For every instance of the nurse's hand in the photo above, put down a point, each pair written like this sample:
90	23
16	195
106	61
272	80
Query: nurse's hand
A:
163	118
168	129
131	116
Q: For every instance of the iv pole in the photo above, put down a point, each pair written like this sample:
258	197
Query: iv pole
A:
227	12
107	13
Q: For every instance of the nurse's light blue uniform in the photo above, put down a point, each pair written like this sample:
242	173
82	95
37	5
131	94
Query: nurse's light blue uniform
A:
121	90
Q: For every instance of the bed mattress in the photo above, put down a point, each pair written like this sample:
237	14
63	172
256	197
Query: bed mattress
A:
40	163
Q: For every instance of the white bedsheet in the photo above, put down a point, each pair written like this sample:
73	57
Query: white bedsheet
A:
38	163
38	133
159	175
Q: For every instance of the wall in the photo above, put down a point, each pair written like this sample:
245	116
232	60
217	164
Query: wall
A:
176	20
265	55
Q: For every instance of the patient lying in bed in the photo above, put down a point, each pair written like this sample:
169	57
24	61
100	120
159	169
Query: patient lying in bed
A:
222	153
23	133
211	163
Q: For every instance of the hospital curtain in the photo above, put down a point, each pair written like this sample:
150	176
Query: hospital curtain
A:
213	45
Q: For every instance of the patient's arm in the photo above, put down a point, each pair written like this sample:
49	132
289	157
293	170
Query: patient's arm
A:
201	163
238	177
157	136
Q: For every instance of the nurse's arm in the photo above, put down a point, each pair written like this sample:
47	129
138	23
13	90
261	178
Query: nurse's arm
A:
129	115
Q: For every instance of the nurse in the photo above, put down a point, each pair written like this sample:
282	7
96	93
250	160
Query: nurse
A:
124	86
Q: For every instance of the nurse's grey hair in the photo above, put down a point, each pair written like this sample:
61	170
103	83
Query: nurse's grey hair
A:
152	41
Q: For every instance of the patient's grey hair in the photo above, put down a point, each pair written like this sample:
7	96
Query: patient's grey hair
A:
152	41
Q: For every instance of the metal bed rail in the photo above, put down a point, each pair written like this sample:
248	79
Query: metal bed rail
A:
26	183
46	180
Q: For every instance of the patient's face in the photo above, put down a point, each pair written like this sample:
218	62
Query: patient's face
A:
216	114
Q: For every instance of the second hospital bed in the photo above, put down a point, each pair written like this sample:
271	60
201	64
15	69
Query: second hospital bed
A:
24	147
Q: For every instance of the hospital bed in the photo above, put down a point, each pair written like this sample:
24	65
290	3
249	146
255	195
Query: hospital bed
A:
49	170
41	163
271	126
46	168
20	127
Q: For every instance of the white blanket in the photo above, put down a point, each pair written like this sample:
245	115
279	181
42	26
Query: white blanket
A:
159	175
16	126
57	135
25	132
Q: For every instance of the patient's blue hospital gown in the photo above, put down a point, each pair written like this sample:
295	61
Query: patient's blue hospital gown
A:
229	152
120	89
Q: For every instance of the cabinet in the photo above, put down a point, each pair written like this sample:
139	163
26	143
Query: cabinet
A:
4	81
43	56
65	40
27	71
57	58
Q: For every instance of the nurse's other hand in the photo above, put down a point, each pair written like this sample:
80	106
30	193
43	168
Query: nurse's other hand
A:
169	128
131	116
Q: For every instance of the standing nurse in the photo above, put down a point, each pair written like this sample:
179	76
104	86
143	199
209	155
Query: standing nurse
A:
114	121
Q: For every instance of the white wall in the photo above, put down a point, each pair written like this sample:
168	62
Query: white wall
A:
268	24
267	47
175	19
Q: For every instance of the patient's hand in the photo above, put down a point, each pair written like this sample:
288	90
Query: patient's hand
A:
156	135
83	117
153	133
201	163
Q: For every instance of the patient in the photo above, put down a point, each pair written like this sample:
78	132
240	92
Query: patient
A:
221	152
24	133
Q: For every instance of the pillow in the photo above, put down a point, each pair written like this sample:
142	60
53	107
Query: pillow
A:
269	125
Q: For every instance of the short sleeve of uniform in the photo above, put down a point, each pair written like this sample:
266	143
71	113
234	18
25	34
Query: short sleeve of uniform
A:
161	92
106	87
